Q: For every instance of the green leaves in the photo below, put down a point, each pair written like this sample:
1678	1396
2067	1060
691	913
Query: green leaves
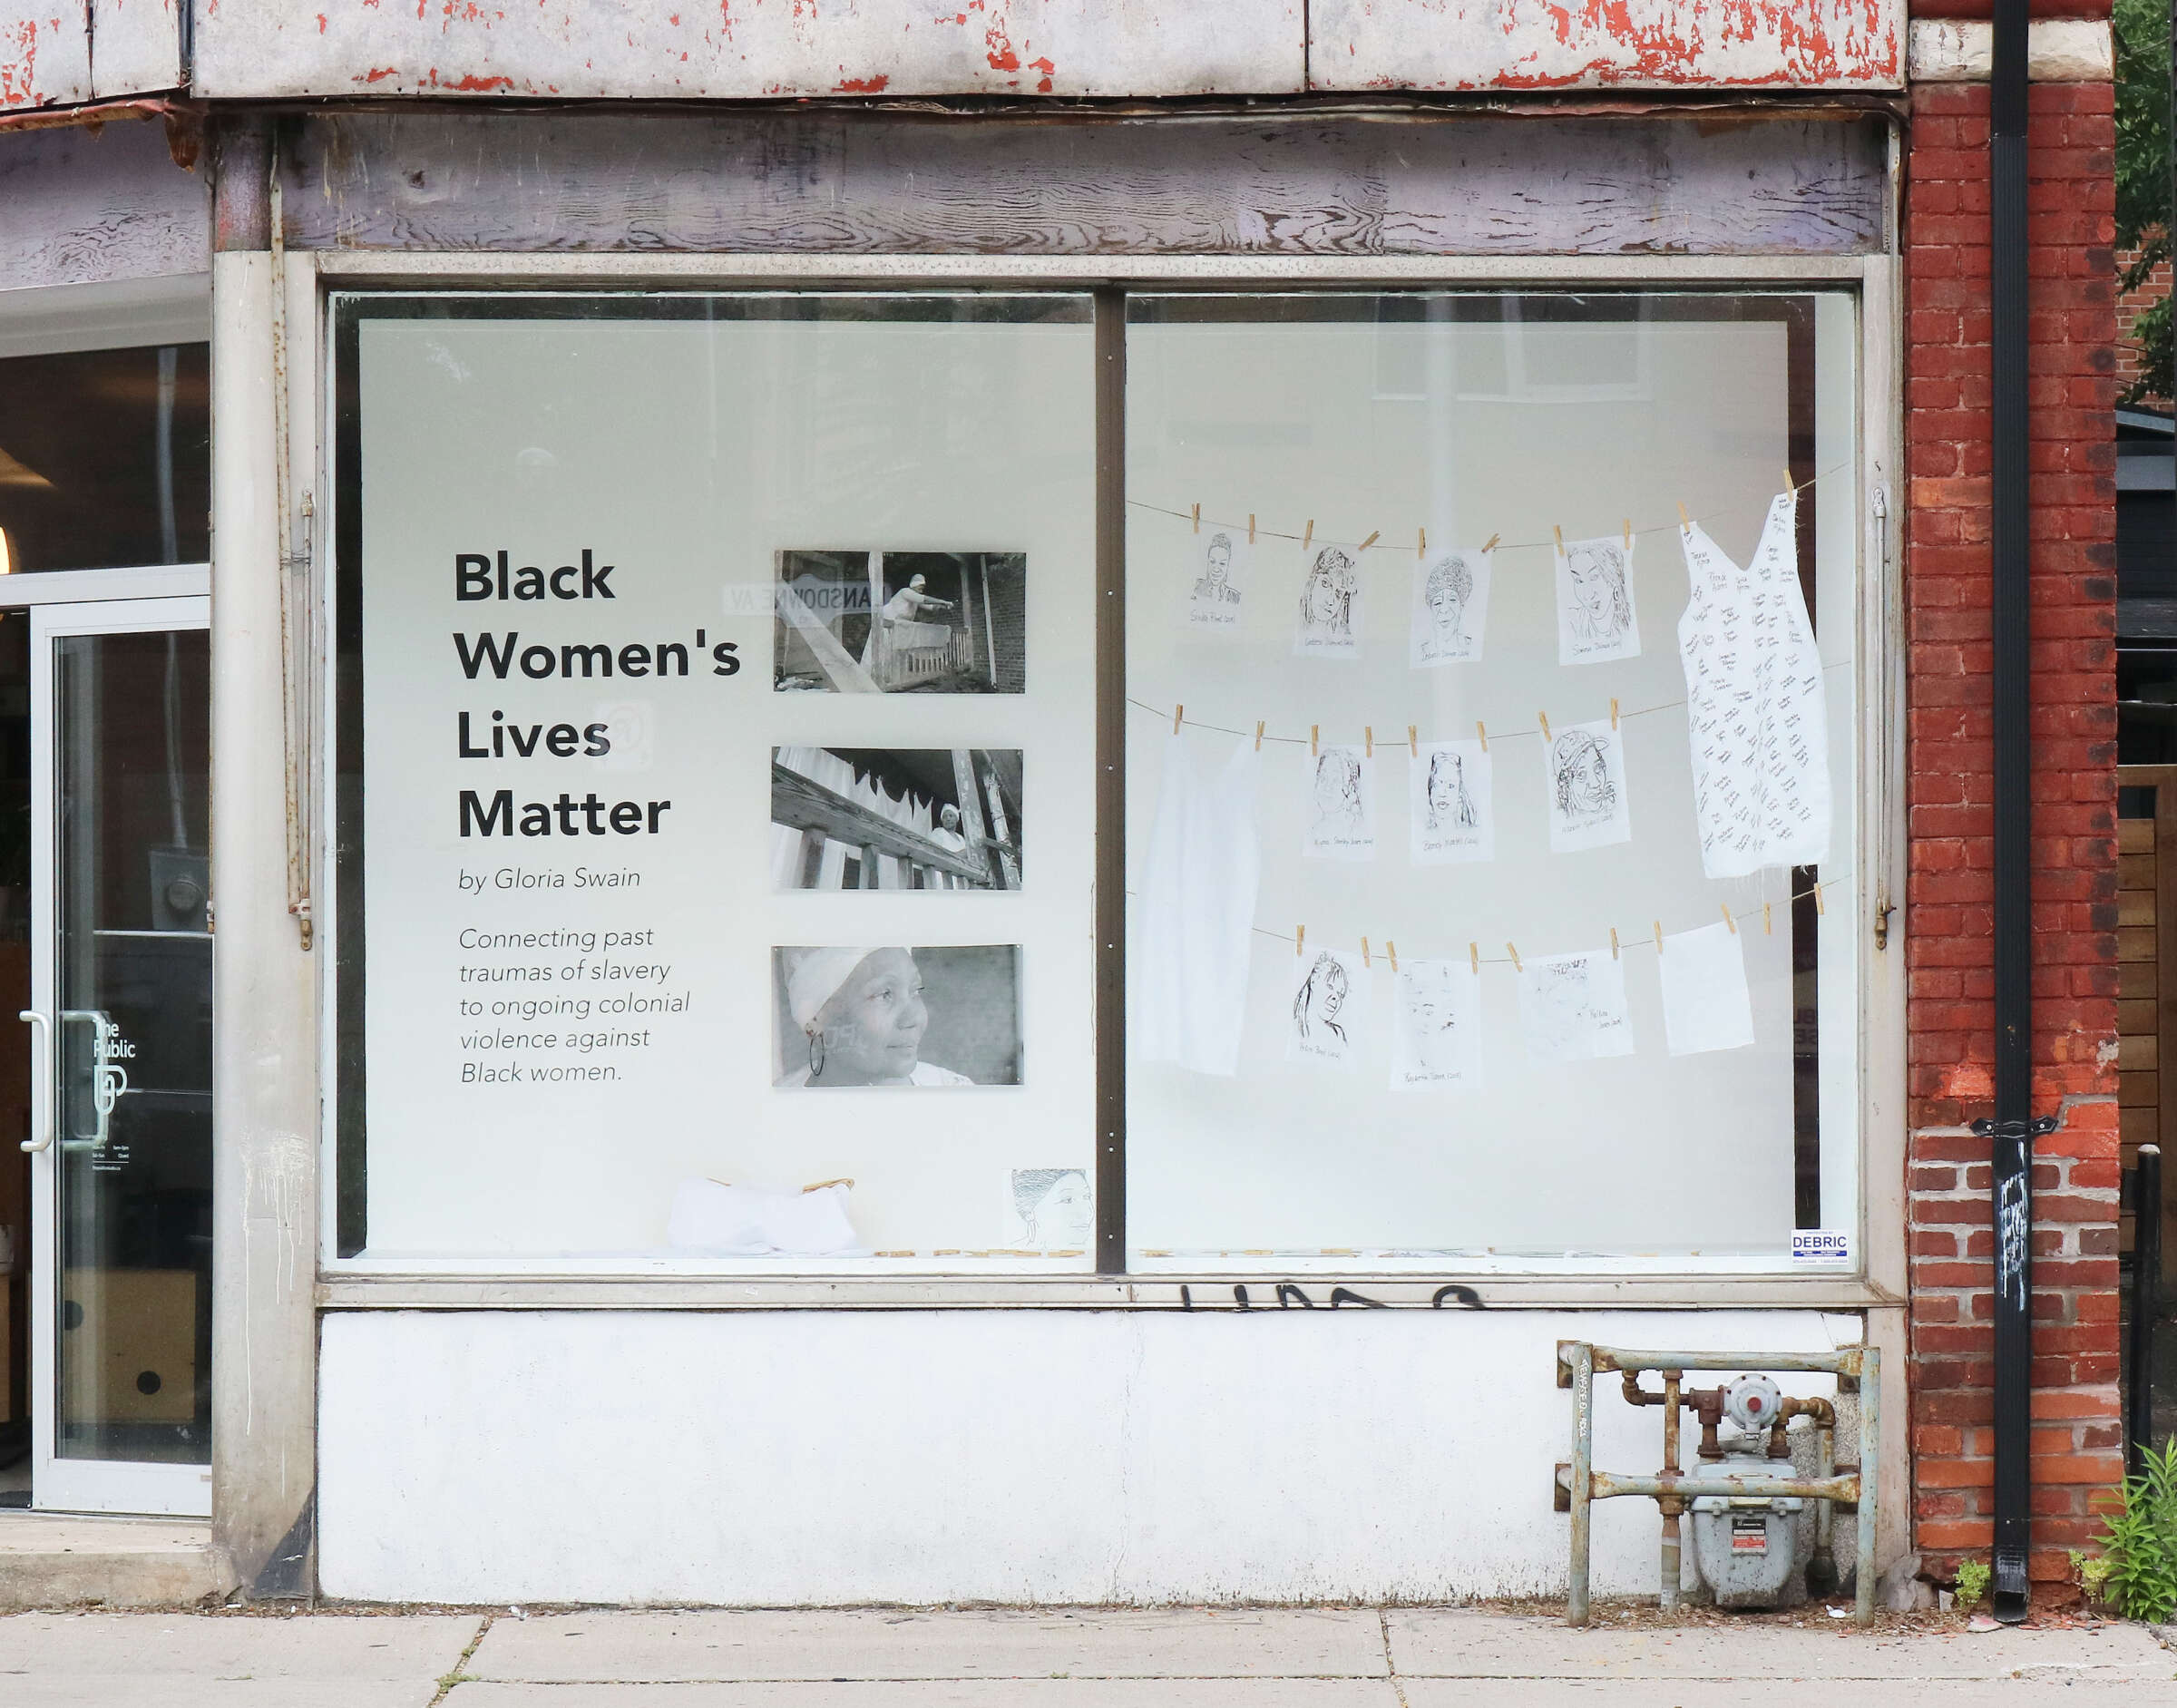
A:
2142	29
2142	1540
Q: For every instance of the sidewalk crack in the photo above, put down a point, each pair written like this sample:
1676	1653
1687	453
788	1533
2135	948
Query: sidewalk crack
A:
1391	1667
457	1674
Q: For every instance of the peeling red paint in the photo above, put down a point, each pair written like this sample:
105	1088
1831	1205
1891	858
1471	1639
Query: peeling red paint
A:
19	67
860	85
998	47
321	23
379	75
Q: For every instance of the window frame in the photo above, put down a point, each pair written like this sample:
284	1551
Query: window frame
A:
664	1282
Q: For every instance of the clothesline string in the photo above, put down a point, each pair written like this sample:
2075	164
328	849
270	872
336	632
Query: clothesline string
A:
1495	735
1502	545
1643	939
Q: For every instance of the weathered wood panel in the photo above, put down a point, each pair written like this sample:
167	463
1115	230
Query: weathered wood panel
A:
1356	45
135	47
754	49
80	206
45	53
873	183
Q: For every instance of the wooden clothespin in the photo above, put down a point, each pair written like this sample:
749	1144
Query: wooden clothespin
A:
1791	485
1513	949
1474	958
1658	924
1628	533
1546	737
1767	929
1258	734
1315	741
1300	941
1819	907
1482	731
1614	942
1308	538
1251	527
1729	921
1198	519
1365	961
1559	534
1391	949
1491	544
1176	711
1368	541
1613	714
1368	737
1685	522
1413	740
1420	542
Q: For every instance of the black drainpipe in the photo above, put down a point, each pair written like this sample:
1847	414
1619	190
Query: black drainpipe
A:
2011	1133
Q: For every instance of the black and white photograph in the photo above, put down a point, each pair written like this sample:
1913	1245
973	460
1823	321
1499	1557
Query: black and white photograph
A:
896	818
901	623
1051	1210
1584	771
925	1019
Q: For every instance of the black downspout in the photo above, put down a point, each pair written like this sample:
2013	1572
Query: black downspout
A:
2011	1133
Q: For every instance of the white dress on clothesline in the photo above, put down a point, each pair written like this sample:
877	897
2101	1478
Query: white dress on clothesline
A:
1755	709
1196	913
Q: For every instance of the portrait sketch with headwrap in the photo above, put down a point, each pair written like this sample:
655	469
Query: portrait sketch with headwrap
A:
1328	621
1450	607
1584	773
1451	812
896	1017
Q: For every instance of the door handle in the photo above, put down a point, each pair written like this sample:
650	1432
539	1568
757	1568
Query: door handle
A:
107	1082
41	1131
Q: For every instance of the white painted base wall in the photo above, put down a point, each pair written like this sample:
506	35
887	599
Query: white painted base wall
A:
803	1457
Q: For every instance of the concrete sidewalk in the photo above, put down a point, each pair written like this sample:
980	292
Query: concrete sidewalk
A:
1188	1658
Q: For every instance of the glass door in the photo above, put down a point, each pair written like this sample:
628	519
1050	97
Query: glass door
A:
121	1022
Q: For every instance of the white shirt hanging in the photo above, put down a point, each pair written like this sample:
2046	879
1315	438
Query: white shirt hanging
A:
1197	913
1755	709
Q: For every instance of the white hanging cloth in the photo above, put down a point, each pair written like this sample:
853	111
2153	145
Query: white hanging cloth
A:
1755	709
1197	913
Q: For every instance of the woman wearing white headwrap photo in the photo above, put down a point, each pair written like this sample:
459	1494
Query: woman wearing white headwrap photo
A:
918	1017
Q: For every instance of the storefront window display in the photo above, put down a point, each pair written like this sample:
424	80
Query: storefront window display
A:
710	662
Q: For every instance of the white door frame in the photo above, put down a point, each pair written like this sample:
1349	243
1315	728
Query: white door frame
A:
76	1485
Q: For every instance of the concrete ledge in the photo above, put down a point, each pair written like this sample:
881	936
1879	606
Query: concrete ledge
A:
2057	51
52	1561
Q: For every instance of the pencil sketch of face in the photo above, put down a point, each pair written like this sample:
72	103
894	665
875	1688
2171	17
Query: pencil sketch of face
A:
1321	997
1054	1206
1433	1023
1338	806
1601	611
1326	603
1586	792
1450	584
1560	993
1450	806
1218	559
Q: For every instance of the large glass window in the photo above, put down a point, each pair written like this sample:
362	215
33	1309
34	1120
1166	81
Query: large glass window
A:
1400	536
719	869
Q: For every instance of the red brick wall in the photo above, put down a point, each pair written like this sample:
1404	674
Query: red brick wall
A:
2129	308
1951	1018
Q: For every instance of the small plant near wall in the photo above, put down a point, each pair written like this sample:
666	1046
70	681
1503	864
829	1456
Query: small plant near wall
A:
1972	1583
2094	1572
2141	1541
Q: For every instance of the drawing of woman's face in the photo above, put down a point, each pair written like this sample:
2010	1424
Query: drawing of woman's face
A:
1061	1215
1337	783
1585	774
872	1025
1327	585
1435	1027
1443	787
1449	586
1219	560
1595	589
1332	990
